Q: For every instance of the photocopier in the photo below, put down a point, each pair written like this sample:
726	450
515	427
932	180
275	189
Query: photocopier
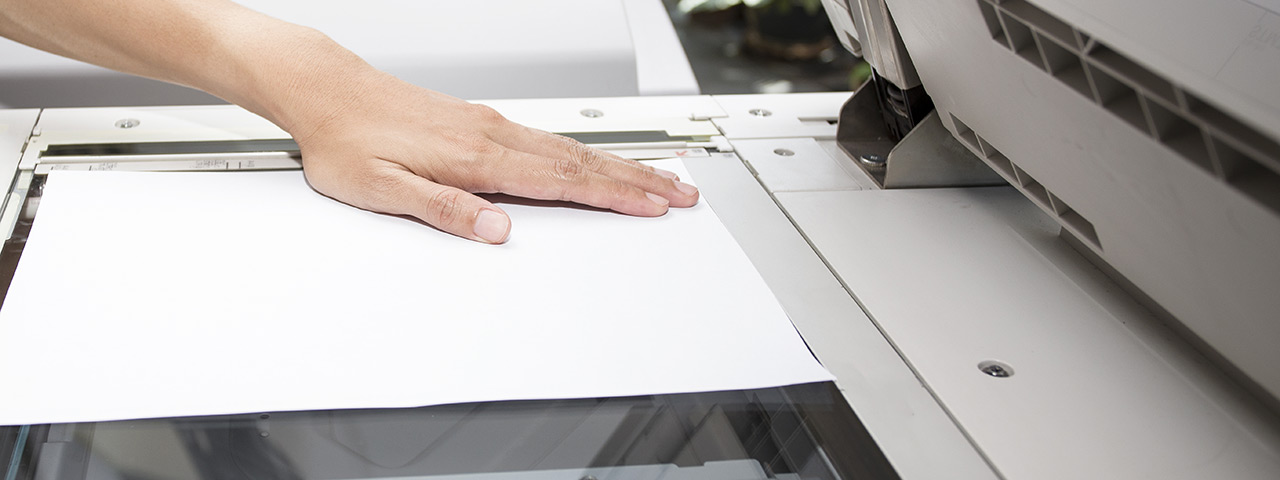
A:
1042	241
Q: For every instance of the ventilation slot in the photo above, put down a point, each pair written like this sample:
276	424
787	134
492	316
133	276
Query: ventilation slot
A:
1032	189
1241	156
1065	65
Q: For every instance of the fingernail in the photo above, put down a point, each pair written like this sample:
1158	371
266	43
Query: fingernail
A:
686	188
662	202
665	174
492	226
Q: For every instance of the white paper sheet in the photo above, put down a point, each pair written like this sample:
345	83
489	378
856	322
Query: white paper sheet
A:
175	294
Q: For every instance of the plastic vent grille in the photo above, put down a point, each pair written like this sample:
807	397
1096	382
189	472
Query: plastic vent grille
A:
1047	201
1217	142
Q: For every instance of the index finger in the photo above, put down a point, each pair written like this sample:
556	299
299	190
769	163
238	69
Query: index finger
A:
630	172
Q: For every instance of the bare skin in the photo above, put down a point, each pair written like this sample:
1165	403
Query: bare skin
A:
367	138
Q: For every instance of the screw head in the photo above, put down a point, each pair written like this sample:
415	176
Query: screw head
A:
128	123
782	152
759	112
872	160
996	369
592	113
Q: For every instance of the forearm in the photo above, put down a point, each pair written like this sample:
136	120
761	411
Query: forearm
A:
431	150
292	75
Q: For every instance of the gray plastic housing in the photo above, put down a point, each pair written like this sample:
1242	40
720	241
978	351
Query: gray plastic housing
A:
1149	129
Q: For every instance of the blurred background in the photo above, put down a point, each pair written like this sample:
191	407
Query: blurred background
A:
764	46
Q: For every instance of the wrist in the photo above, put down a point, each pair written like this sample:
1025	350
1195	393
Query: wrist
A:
300	82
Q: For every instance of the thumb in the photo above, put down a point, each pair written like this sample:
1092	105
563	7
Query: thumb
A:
444	207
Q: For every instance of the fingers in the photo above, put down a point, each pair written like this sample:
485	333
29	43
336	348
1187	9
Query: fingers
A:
533	176
566	150
425	167
455	211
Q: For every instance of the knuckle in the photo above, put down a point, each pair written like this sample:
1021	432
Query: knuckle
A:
444	207
620	192
569	168
473	147
586	156
487	113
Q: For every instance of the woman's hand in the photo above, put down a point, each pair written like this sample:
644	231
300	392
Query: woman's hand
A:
400	149
367	139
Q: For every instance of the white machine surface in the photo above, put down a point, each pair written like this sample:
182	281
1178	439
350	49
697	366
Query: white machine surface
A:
1109	312
490	49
